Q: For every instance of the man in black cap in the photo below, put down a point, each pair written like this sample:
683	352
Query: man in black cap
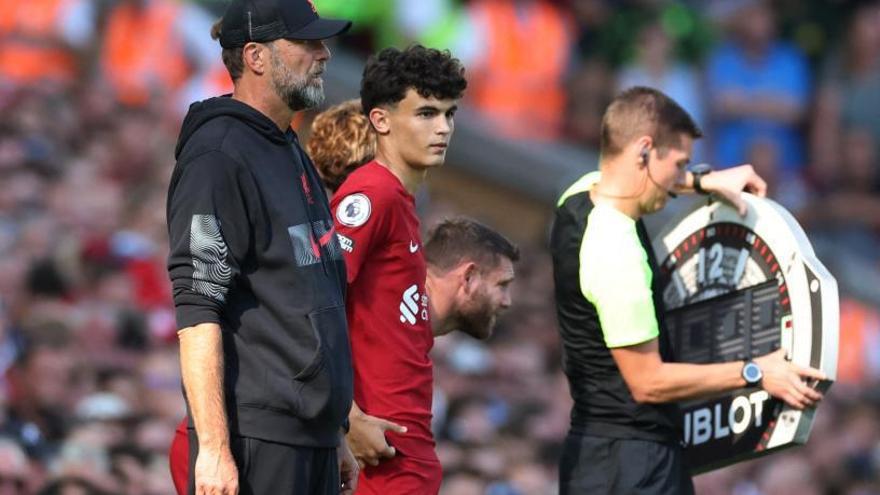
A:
257	271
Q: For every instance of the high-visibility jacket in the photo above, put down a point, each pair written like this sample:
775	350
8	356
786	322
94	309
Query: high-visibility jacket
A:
519	82
859	327
143	56
31	46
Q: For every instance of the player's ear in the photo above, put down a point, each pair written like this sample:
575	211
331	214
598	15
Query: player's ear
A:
469	277
379	120
256	57
643	144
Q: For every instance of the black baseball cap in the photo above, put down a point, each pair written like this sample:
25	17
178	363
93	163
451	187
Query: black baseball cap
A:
268	20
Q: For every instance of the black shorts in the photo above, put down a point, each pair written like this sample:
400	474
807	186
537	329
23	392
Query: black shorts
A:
601	465
275	468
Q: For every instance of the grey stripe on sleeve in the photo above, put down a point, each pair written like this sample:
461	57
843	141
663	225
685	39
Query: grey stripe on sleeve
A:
211	271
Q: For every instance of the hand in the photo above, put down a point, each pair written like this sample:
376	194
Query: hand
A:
730	183
785	380
366	438
215	471
348	469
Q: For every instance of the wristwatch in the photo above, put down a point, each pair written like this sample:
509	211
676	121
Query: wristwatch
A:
698	171
752	373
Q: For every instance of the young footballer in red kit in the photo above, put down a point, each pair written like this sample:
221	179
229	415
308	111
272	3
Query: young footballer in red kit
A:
410	97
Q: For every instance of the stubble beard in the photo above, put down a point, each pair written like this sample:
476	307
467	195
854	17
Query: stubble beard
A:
299	93
477	318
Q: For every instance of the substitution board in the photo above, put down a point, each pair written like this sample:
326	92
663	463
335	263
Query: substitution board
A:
737	288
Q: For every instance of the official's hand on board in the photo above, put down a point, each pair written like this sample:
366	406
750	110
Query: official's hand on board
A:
728	184
787	381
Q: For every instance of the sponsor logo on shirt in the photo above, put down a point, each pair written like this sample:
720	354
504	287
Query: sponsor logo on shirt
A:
346	243
354	210
413	306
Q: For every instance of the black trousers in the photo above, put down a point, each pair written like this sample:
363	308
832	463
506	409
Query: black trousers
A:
602	465
273	468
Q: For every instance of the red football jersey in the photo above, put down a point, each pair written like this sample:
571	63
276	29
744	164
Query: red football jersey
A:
387	307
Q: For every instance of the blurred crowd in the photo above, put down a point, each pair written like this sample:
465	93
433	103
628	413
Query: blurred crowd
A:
792	87
91	96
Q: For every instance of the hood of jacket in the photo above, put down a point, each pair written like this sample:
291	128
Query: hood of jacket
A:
204	111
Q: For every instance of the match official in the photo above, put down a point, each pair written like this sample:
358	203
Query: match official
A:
625	426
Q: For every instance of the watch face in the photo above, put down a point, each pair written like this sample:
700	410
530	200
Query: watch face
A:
751	373
701	168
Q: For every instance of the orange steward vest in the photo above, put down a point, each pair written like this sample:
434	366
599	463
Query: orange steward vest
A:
519	82
857	323
143	57
31	48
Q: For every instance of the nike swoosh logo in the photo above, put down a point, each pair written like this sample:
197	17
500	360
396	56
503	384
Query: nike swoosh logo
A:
413	247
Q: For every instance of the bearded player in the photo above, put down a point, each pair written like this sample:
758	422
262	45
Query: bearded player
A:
410	97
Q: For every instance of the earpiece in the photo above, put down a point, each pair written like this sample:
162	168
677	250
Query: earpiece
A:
645	156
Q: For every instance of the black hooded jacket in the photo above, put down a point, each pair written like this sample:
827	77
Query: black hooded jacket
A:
253	249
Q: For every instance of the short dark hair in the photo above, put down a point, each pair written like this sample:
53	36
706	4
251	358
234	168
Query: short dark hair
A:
456	240
390	73
232	57
640	111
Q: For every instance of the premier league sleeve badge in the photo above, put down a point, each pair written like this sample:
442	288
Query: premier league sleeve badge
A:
354	210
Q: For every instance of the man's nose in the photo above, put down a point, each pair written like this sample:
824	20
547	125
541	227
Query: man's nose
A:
323	52
506	300
445	126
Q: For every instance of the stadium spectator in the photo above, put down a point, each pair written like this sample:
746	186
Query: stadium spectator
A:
151	48
655	66
849	94
589	91
859	355
44	40
759	89
517	81
41	391
15	469
439	24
